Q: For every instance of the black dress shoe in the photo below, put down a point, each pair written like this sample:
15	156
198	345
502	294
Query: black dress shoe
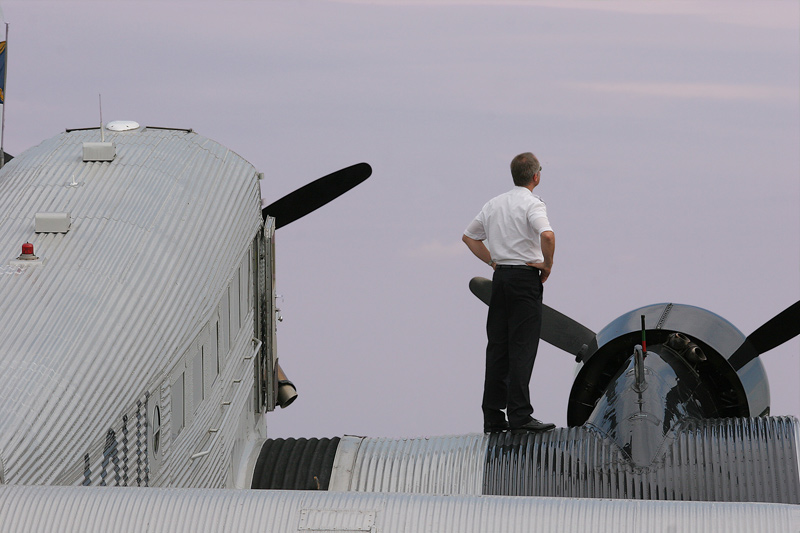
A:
534	426
495	428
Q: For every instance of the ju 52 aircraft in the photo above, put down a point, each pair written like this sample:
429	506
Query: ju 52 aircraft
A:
137	350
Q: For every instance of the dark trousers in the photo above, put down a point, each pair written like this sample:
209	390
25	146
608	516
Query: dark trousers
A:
512	327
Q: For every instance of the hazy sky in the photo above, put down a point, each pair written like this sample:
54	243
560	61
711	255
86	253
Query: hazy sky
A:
669	133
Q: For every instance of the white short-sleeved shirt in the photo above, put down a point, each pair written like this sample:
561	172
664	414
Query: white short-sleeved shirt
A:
511	225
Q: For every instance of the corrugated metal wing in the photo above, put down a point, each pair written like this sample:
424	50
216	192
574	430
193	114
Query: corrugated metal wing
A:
100	510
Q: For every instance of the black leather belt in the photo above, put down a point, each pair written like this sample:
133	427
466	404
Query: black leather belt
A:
524	267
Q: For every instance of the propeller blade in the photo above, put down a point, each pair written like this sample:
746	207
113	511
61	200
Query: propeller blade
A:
314	195
482	288
557	328
779	329
563	332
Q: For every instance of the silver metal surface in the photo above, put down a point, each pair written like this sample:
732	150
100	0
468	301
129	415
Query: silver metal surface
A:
118	300
740	460
640	419
52	222
700	460
98	510
99	151
747	390
344	463
436	465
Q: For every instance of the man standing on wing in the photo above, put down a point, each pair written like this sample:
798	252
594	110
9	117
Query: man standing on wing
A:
520	250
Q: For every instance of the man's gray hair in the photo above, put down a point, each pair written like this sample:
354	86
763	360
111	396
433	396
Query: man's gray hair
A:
523	168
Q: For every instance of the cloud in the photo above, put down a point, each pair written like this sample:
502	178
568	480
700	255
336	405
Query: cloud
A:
706	91
773	14
779	14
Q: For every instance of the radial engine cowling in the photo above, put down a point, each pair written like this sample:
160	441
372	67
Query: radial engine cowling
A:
741	393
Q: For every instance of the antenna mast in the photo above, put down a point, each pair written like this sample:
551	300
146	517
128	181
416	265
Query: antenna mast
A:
102	129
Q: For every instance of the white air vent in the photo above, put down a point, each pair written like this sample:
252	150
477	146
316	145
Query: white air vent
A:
102	151
52	223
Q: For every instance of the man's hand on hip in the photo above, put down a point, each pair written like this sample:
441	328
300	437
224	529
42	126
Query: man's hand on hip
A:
544	270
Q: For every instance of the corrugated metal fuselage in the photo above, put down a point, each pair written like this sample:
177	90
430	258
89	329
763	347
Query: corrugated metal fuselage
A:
723	460
127	349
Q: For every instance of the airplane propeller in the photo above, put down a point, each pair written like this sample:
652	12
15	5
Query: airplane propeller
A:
314	195
575	338
557	328
779	329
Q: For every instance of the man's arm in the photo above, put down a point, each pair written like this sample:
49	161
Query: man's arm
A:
479	249
548	240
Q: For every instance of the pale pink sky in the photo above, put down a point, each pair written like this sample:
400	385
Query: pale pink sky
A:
669	134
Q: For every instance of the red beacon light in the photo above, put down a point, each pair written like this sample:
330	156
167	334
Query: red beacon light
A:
27	253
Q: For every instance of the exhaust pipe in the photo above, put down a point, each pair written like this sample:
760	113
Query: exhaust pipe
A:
287	392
